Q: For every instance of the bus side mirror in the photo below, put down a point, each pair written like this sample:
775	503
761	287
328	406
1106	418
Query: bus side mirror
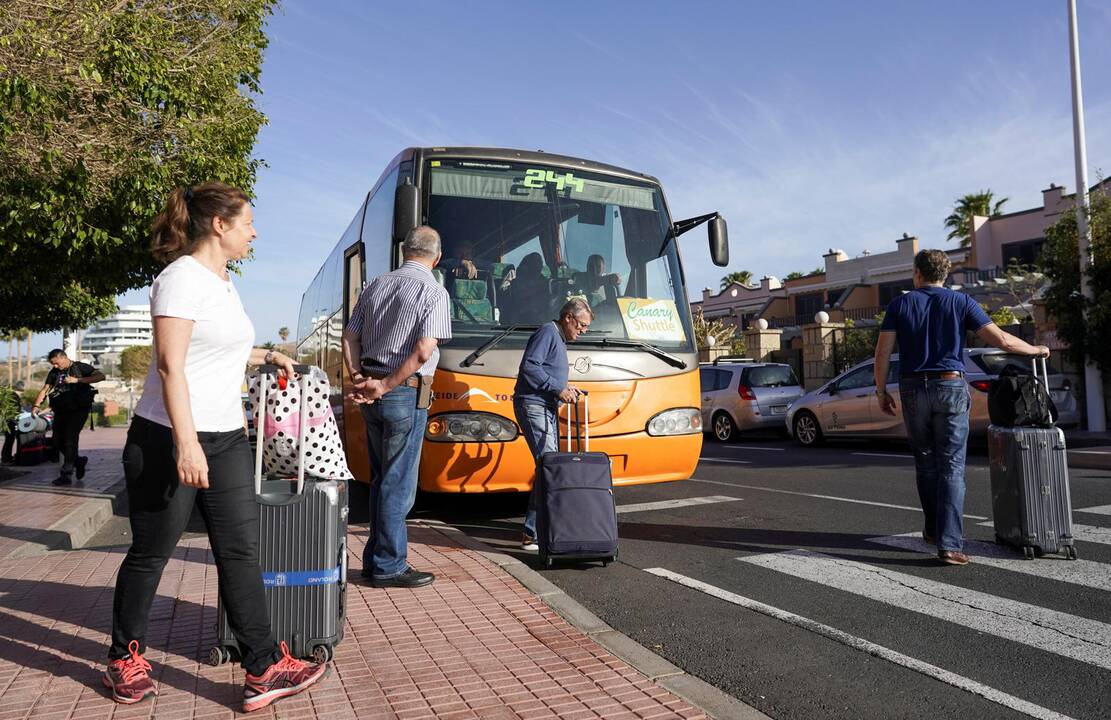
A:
719	241
406	209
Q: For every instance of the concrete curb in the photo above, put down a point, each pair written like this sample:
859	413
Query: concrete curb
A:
76	528
716	704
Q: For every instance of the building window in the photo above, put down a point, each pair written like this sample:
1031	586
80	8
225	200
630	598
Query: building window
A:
891	290
1024	253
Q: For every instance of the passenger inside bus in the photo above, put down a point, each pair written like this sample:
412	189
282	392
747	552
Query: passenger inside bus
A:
528	299
595	284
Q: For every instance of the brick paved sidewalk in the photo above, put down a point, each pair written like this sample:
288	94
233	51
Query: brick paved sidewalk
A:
30	506
476	644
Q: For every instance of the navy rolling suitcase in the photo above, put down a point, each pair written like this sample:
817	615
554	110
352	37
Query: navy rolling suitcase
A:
1030	500
302	551
576	520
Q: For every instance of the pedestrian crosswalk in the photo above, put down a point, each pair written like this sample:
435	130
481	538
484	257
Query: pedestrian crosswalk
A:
1085	533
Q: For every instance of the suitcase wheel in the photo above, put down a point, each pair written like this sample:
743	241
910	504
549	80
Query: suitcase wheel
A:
1028	552
322	654
548	562
1070	552
219	655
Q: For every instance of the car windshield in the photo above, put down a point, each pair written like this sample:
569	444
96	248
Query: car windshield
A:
993	363
771	376
520	240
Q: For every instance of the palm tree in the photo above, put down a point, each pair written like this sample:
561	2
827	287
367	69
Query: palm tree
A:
283	333
741	277
959	221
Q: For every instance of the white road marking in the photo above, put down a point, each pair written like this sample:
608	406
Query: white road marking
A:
1070	636
1091	452
858	643
1098	510
887	455
1076	572
753	447
725	460
669	504
1087	533
821	497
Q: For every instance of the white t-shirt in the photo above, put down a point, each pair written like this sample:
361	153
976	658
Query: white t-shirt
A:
218	348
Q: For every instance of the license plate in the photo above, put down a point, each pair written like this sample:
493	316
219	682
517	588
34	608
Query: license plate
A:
779	409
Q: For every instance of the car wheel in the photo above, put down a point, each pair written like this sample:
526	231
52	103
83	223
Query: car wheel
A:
807	430
725	430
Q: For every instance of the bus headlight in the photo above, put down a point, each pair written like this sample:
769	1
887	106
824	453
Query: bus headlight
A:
470	427
680	421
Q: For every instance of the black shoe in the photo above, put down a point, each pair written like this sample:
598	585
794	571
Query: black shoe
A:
61	480
81	463
409	579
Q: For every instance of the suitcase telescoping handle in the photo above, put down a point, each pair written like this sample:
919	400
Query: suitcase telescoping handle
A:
264	373
582	431
1045	373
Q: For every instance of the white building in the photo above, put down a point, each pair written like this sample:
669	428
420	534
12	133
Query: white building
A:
130	326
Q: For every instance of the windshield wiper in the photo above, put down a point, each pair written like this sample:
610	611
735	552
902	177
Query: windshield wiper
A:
489	344
664	355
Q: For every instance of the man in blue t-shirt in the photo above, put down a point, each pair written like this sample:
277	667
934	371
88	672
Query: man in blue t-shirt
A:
541	387
929	324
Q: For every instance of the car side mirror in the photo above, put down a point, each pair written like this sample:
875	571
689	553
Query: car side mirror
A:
719	241
406	209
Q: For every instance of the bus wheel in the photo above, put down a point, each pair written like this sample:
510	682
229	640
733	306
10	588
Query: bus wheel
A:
725	430
807	430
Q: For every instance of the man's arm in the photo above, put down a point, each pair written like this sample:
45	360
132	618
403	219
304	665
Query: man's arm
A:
992	335
352	354
885	343
41	396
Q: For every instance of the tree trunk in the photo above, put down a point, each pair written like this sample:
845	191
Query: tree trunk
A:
29	336
11	377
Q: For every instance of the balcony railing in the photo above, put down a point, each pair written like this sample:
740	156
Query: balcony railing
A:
864	313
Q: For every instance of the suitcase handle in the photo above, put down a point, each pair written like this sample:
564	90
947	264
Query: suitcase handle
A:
1045	372
581	430
264	373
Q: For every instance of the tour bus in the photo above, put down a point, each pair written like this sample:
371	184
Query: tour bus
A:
533	229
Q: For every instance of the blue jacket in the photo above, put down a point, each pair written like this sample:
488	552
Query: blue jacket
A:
543	372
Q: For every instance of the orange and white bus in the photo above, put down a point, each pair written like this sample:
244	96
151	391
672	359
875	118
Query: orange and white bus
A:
537	228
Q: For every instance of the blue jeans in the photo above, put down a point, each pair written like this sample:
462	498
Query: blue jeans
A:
541	430
395	431
935	413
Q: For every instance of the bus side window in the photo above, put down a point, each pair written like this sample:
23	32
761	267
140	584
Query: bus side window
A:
378	228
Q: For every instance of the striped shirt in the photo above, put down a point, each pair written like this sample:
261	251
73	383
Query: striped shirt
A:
395	311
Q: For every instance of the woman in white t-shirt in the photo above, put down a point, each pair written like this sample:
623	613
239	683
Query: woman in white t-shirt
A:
187	445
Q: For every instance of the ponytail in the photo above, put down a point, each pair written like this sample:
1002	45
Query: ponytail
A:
187	218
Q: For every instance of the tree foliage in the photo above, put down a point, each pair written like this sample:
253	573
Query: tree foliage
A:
740	277
135	361
1060	259
959	221
716	329
104	108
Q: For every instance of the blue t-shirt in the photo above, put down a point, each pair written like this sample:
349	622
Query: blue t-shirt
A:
929	325
543	372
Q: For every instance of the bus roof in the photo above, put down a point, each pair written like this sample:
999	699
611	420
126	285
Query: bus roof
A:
537	156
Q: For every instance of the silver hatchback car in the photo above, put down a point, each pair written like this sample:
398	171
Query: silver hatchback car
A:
846	406
739	394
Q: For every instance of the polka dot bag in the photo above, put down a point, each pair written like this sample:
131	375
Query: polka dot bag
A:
279	430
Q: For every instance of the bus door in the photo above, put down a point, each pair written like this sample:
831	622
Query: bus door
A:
352	428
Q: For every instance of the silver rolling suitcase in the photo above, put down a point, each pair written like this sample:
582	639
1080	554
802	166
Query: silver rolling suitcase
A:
1030	487
302	550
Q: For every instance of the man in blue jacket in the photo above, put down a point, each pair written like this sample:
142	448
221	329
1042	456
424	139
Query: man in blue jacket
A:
929	325
541	385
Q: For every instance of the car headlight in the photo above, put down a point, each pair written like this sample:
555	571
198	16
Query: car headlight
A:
679	421
470	427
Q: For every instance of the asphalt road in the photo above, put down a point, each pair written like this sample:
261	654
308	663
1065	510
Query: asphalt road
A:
793	579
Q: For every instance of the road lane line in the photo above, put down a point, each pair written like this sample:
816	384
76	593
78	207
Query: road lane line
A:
1087	533
887	455
1091	452
753	447
725	460
874	649
821	497
1076	572
670	504
1098	510
1070	636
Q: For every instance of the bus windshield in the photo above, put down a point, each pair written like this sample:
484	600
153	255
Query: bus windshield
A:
519	240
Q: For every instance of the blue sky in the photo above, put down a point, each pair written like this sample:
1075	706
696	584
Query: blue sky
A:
808	124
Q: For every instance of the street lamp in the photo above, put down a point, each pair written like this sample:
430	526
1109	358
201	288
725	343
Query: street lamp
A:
1093	381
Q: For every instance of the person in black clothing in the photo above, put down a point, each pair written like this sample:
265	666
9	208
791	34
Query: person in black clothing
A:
69	386
10	433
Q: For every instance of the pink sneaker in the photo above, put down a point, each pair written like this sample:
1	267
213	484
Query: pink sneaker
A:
129	677
286	677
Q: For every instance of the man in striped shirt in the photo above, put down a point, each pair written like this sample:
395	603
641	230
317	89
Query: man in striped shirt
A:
391	346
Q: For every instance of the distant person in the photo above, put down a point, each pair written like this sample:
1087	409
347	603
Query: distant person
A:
595	283
391	348
69	385
187	446
530	296
464	266
541	387
10	432
929	325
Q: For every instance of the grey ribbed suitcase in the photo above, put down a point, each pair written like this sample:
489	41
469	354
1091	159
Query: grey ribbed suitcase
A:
1030	488
303	553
